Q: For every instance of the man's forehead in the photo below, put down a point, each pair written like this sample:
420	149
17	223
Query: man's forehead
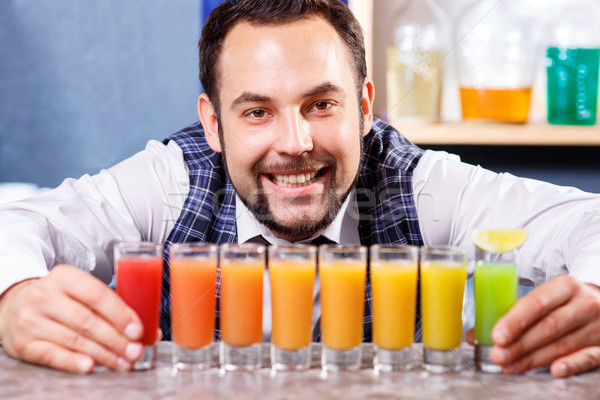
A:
306	52
247	36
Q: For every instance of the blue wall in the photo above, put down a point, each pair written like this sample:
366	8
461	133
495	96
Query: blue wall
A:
85	83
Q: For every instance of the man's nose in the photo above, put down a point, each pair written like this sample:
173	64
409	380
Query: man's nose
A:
293	136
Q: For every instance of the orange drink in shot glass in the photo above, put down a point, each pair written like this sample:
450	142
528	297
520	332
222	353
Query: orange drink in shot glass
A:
394	270
292	270
193	278
342	272
242	271
139	272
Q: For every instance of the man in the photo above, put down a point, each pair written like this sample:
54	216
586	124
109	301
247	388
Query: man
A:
287	122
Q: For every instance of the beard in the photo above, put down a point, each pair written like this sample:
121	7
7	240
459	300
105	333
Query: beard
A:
298	227
301	228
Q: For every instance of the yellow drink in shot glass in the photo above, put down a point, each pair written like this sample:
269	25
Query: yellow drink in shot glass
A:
292	272
443	277
394	270
342	271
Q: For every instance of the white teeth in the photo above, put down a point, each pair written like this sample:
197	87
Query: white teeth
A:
294	180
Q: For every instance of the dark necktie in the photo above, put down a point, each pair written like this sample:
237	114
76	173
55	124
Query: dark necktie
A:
316	241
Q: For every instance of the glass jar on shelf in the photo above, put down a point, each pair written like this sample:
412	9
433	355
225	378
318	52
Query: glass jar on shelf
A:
572	46
496	55
415	56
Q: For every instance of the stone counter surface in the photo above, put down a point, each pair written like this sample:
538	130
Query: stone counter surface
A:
22	381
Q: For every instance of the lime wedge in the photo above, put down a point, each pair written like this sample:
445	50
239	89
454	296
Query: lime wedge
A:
499	240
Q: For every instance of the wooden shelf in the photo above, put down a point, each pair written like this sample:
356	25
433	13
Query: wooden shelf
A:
490	134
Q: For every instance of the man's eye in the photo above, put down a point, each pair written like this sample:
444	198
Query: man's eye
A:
257	113
322	105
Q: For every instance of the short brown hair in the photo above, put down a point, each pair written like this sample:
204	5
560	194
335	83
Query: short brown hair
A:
274	12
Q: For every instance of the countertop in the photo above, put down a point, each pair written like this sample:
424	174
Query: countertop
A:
20	380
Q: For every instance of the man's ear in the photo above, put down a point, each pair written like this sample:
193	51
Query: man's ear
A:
210	123
368	94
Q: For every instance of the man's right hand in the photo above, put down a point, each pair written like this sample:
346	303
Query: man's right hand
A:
71	321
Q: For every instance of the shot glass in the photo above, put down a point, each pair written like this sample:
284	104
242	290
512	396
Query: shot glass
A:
139	272
342	271
193	278
292	272
496	286
443	277
242	269
394	271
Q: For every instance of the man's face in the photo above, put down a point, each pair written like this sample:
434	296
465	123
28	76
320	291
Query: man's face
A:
290	122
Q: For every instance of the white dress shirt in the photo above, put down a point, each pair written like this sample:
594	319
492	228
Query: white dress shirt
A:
141	198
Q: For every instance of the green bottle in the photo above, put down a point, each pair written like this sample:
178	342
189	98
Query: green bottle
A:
572	59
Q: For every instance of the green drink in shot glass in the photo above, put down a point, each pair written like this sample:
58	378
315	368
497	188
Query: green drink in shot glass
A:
495	284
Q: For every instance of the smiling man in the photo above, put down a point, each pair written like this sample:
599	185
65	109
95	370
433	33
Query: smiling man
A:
287	150
288	122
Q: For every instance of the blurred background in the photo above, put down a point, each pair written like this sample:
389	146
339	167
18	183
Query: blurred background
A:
85	84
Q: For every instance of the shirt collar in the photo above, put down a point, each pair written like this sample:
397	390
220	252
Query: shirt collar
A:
343	229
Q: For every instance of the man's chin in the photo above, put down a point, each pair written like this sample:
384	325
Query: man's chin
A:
299	228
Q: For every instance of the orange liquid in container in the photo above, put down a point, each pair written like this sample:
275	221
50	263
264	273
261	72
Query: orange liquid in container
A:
497	105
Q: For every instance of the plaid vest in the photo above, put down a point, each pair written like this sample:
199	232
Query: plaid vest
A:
384	197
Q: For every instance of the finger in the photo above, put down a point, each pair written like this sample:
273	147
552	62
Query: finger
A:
99	297
576	363
71	340
470	336
38	327
532	307
84	323
53	356
543	356
549	329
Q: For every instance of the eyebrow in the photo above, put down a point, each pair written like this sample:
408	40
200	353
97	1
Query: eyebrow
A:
324	88
247	97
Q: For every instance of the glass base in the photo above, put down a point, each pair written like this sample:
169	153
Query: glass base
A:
191	359
290	360
148	359
236	358
442	361
483	360
341	360
392	360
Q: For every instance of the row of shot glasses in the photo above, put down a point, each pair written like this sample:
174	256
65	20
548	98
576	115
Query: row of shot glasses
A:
342	275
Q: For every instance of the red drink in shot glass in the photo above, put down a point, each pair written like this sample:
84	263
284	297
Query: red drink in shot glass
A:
139	271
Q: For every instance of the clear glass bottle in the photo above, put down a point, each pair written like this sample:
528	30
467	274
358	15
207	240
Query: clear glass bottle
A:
572	46
414	63
496	52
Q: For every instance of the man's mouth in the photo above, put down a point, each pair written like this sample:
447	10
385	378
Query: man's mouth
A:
296	180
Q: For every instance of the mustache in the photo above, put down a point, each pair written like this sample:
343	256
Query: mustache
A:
295	164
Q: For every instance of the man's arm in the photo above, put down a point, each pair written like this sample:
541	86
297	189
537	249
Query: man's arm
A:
65	317
557	323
